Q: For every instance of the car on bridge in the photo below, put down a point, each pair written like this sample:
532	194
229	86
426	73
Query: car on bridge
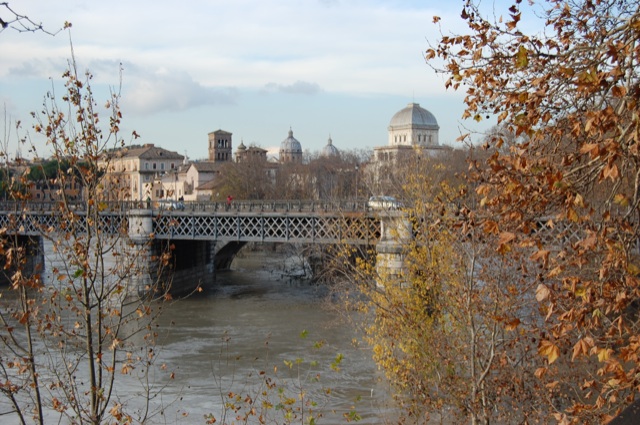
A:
384	203
171	205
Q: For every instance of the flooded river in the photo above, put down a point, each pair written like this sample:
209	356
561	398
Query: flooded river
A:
256	325
255	320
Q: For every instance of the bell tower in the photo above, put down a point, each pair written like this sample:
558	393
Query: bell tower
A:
220	146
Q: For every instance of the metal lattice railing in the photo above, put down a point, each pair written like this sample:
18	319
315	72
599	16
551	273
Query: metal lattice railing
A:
268	227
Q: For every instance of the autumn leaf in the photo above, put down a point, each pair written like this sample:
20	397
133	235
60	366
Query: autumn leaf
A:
549	350
522	59
506	237
541	254
621	199
513	324
582	347
603	354
611	172
540	372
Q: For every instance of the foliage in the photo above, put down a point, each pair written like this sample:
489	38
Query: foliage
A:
250	178
72	342
450	330
571	93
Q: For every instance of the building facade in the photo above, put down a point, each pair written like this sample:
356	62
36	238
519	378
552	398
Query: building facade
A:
132	174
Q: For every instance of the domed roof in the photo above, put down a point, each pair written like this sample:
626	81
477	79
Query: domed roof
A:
290	144
242	147
329	149
413	115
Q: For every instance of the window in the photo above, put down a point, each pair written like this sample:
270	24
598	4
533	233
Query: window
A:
146	165
154	166
172	166
162	166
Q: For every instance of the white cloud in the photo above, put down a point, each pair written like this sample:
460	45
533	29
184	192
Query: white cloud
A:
167	90
299	87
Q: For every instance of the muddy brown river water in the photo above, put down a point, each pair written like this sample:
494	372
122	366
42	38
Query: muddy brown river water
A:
253	325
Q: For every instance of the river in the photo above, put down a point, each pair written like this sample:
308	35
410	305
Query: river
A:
255	320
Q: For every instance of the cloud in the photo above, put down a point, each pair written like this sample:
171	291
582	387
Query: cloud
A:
168	90
299	87
40	68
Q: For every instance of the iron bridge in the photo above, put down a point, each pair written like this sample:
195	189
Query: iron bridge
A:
265	221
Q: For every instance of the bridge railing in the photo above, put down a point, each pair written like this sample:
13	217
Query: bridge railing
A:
36	206
276	206
194	206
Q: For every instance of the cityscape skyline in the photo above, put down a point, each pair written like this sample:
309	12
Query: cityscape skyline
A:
323	68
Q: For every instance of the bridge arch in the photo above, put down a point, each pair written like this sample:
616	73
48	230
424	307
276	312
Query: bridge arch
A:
225	254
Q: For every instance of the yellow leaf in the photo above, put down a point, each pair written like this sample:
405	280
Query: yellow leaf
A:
603	354
549	350
633	269
522	59
621	200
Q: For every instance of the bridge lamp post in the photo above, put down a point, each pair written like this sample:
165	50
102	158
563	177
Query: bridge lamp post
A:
356	183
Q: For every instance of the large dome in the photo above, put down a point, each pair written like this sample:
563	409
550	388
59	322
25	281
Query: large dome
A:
414	116
290	144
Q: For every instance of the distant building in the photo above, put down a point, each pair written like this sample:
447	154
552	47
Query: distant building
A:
199	179
290	150
220	146
412	131
329	150
250	153
133	173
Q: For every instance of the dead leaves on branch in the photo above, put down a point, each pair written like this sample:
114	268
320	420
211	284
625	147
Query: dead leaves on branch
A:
570	94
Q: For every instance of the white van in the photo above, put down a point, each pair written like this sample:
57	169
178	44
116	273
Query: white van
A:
384	203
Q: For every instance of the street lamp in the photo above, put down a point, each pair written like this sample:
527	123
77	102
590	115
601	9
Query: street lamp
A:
356	183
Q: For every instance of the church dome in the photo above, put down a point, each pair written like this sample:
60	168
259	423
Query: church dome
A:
329	149
290	144
413	115
290	149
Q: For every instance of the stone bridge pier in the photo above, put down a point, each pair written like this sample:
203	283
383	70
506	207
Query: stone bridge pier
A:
395	234
189	263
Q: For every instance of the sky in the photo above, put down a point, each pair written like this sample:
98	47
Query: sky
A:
255	68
